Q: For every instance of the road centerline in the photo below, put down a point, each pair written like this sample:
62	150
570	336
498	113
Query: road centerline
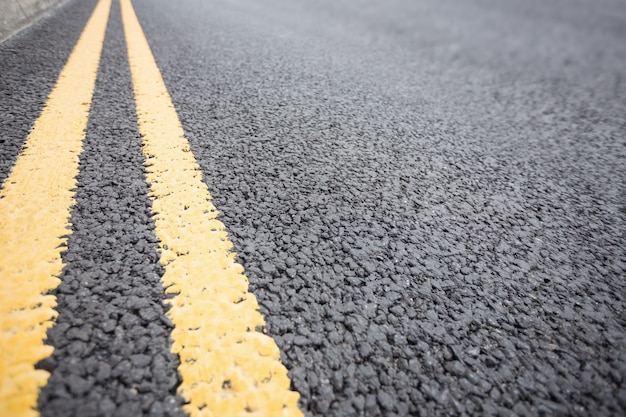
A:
228	367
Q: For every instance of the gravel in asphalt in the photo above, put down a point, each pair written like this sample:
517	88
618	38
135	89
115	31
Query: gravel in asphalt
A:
428	199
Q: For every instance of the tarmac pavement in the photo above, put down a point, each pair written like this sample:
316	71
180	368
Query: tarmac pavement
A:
428	199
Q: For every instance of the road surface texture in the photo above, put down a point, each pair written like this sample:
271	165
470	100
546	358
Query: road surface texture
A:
428	199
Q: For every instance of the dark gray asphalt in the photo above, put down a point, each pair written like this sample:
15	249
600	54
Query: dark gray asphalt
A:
429	199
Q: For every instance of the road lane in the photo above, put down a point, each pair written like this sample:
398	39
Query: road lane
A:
35	203
427	198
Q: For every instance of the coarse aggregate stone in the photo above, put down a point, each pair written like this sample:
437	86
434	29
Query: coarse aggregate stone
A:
428	198
111	339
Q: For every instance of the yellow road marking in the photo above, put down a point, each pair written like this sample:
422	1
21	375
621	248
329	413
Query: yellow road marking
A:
35	204
228	368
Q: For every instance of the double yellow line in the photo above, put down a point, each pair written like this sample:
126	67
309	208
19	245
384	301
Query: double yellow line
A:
228	368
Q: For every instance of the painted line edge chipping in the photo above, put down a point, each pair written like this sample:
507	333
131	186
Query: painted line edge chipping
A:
228	367
35	207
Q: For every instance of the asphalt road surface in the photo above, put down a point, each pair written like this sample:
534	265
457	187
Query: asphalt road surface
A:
428	198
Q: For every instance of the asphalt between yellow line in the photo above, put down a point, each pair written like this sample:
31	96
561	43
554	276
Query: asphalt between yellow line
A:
228	368
35	204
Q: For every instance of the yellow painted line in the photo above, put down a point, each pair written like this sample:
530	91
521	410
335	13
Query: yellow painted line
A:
228	368
35	203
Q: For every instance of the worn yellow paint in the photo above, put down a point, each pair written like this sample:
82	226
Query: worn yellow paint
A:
35	203
228	367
